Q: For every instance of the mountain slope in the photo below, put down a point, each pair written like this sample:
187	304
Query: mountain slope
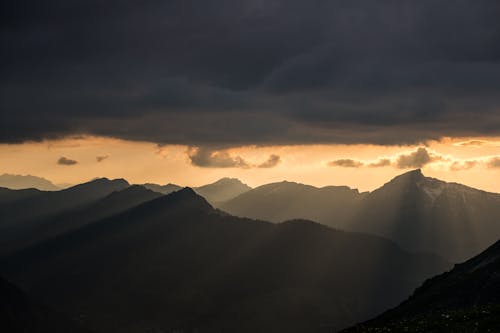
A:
277	202
20	314
222	190
31	232
175	263
466	299
17	182
427	214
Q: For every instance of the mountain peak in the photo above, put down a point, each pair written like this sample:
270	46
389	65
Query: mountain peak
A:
413	174
229	181
99	184
222	190
187	195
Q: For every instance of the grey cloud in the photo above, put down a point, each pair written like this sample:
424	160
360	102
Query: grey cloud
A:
207	157
380	163
346	163
66	161
463	165
224	73
99	159
416	159
271	162
493	162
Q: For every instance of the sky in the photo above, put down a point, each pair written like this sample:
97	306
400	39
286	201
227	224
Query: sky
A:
322	92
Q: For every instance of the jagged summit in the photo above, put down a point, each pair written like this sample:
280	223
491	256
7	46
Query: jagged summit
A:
412	176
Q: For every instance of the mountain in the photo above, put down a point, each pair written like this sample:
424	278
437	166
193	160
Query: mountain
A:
466	299
163	189
427	214
177	264
16	207
17	182
417	212
277	202
38	230
20	314
222	190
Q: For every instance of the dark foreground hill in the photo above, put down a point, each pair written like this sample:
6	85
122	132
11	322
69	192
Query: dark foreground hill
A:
175	263
20	314
466	299
418	212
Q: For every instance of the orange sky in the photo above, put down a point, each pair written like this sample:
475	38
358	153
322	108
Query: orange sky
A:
468	161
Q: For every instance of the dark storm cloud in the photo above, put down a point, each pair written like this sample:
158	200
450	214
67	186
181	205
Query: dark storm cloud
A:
250	72
66	161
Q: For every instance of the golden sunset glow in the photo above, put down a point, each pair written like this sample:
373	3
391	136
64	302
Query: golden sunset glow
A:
463	160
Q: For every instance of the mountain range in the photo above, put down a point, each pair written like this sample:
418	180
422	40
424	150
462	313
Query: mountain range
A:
177	263
417	212
129	258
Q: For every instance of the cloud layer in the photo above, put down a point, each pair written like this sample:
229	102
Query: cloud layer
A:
250	72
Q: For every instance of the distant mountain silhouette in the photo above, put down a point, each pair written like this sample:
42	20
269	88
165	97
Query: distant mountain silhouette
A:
31	204
163	189
38	230
217	192
17	182
418	212
222	190
277	202
20	314
466	299
176	263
